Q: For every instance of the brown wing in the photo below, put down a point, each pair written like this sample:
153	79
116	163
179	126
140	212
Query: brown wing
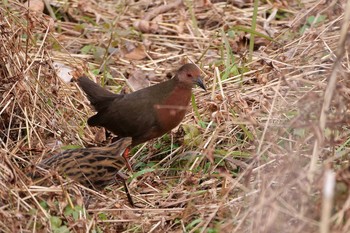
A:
134	114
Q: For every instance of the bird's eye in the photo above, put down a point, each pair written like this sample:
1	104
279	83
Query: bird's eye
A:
189	75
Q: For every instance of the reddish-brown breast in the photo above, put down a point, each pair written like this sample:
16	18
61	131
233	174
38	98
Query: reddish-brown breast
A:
171	112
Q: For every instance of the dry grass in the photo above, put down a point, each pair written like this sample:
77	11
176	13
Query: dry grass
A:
250	156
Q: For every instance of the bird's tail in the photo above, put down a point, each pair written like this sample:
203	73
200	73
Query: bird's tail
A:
97	95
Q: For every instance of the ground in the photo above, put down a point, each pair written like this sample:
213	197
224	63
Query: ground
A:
265	149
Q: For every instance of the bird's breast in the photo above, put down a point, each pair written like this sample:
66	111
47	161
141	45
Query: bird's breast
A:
172	110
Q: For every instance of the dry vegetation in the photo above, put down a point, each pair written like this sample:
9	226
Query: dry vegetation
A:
254	152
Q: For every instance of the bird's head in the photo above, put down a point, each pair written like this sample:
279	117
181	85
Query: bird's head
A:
190	75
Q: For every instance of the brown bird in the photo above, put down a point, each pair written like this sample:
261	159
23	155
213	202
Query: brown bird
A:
147	113
94	167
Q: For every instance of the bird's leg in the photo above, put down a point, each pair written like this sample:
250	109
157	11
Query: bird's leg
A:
120	177
128	194
126	157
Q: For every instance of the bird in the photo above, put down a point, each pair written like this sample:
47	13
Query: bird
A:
94	167
147	113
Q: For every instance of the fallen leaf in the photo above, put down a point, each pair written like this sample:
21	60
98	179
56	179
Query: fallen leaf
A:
35	5
63	71
138	80
210	154
146	26
137	53
100	135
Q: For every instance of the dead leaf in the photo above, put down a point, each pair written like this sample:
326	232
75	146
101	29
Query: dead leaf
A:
149	23
210	154
162	9
137	53
63	71
100	135
35	5
146	26
138	80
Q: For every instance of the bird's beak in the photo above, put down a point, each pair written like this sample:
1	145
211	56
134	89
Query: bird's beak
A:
200	83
